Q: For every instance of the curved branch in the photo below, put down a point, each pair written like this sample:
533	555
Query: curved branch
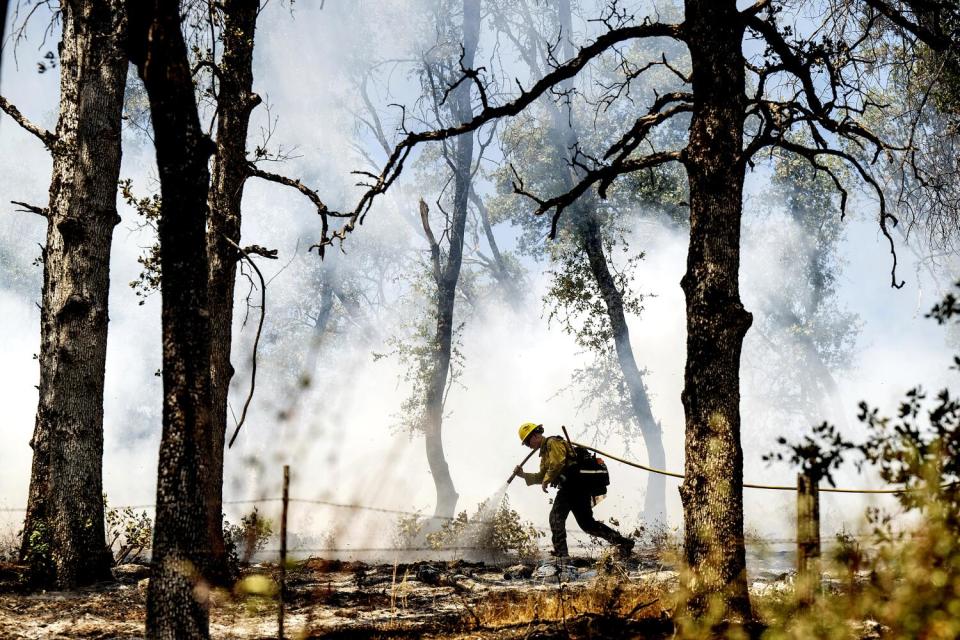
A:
603	175
256	340
811	156
322	210
559	74
46	137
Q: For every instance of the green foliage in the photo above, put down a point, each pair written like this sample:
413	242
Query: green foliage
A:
130	532
245	539
417	350
408	531
816	454
491	533
913	589
576	302
39	553
148	208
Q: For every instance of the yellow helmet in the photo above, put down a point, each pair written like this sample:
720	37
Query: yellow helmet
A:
527	429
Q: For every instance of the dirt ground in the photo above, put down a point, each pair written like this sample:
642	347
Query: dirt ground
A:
333	599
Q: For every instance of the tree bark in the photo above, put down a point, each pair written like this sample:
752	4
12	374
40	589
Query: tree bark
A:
235	101
449	275
717	322
182	542
65	506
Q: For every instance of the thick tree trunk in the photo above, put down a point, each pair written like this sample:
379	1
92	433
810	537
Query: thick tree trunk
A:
654	507
65	505
182	544
235	102
449	276
712	492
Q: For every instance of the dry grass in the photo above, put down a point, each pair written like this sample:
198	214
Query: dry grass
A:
604	597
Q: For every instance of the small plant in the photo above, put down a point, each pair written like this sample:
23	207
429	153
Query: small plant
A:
489	534
408	531
39	554
129	533
247	538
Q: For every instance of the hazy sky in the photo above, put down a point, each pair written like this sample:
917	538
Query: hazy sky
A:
339	441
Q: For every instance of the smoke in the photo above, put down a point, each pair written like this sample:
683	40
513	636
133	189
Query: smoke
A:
326	407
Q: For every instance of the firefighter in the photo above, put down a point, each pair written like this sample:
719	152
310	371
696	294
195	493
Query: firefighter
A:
558	469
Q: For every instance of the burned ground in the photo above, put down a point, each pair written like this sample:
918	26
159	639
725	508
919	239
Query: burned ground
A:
335	599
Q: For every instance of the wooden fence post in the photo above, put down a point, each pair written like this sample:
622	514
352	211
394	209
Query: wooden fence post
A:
283	548
808	537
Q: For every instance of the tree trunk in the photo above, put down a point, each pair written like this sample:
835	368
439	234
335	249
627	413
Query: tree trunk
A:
235	102
712	492
497	265
588	231
655	506
65	505
182	542
449	275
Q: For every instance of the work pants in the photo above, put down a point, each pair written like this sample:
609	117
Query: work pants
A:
579	502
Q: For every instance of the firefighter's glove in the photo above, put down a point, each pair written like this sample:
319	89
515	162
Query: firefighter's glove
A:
544	486
518	471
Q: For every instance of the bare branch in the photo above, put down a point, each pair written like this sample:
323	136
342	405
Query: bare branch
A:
322	209
256	340
603	175
936	40
30	208
46	137
560	73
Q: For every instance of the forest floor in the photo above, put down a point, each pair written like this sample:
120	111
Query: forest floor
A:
593	598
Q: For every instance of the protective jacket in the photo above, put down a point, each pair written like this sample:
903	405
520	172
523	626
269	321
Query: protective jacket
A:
556	457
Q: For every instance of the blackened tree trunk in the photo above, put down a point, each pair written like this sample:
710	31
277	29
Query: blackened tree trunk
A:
448	276
182	542
586	226
717	322
65	505
235	101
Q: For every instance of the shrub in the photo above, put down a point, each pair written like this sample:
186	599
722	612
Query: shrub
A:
247	538
493	533
913	590
130	532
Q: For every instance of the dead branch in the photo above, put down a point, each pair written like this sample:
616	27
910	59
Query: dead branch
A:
30	208
434	246
322	210
936	40
401	152
256	341
604	175
46	137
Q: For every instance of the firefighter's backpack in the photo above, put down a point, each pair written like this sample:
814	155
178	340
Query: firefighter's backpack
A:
592	471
